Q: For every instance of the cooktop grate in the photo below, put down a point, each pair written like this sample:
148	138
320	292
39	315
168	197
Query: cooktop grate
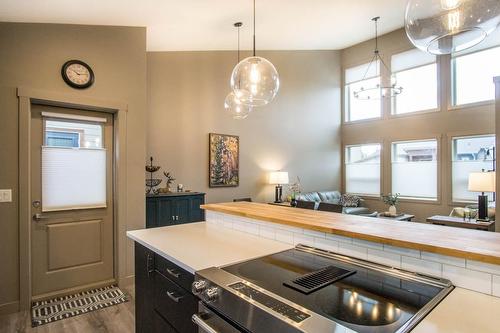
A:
313	281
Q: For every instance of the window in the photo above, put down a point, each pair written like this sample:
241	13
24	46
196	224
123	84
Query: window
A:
416	72
73	165
472	76
357	109
362	169
470	154
414	169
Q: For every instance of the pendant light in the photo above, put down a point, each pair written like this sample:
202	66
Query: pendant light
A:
448	26
255	78
232	103
379	90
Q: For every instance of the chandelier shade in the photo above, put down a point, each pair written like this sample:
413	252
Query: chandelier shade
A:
449	26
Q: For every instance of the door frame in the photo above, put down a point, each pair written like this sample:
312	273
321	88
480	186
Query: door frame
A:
28	97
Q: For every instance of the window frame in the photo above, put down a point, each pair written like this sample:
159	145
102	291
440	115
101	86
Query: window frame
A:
453	87
392	110
452	136
346	96
410	199
344	168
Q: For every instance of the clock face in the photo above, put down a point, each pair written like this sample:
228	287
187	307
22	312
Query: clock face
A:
77	74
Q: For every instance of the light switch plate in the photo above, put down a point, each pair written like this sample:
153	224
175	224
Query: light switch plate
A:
5	195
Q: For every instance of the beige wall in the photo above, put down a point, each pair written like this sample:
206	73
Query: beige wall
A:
298	132
442	124
31	55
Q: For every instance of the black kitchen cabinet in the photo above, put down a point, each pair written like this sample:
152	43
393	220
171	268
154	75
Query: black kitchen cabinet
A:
144	275
174	208
164	302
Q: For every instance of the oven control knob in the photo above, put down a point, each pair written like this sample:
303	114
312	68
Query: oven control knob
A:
198	286
211	294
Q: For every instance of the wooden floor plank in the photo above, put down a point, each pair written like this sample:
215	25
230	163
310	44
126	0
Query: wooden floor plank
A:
114	319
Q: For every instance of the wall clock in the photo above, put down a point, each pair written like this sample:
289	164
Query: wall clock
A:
77	74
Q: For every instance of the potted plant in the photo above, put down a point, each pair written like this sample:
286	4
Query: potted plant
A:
392	200
294	191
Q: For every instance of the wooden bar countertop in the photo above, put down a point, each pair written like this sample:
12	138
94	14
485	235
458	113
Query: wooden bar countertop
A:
477	245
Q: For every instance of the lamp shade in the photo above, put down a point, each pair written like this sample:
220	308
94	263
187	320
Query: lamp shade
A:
278	177
482	181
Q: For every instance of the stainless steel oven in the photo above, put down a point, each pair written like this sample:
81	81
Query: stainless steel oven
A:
210	322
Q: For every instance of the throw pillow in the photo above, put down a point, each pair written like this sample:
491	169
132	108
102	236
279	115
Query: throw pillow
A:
349	200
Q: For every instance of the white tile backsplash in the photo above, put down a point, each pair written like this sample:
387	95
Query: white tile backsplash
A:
284	236
421	266
353	250
385	258
460	262
469	279
326	244
402	251
496	286
303	239
368	244
482	267
469	274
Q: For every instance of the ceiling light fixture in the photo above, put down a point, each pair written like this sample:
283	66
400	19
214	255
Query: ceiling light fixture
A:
379	90
448	26
255	79
232	103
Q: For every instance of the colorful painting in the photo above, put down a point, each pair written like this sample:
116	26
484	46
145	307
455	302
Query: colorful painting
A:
224	160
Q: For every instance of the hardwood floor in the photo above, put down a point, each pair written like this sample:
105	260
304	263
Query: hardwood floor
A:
114	319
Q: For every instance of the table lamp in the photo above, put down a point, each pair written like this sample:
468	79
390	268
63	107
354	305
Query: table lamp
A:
278	178
482	182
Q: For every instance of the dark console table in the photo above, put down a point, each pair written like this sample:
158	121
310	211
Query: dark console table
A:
174	208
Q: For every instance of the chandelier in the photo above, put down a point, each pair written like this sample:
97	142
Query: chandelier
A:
380	90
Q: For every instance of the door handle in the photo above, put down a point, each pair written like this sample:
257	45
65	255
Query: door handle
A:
170	295
149	264
38	217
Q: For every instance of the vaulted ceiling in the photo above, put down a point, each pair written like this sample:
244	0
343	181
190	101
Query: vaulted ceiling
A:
175	25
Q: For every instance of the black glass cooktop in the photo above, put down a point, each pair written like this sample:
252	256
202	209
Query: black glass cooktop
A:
364	301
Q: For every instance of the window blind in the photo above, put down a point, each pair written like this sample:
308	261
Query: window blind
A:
73	178
355	74
410	59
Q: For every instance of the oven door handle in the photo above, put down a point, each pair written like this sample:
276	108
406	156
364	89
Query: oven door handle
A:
196	318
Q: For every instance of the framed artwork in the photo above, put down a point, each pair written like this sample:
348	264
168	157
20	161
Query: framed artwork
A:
224	160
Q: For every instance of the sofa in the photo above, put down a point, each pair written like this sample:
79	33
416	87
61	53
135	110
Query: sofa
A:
333	197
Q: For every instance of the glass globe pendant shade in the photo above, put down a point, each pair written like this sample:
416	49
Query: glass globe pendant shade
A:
256	81
235	107
448	26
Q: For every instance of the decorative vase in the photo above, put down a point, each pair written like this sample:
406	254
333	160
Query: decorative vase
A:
392	210
293	202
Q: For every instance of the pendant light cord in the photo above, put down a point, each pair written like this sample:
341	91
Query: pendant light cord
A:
254	28
376	53
238	44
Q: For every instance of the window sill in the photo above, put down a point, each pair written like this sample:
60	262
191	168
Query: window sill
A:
420	200
413	113
471	105
361	121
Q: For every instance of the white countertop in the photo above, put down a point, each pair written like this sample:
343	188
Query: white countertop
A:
197	246
463	311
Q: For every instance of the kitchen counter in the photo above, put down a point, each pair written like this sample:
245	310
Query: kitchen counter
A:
463	311
200	245
196	246
462	243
